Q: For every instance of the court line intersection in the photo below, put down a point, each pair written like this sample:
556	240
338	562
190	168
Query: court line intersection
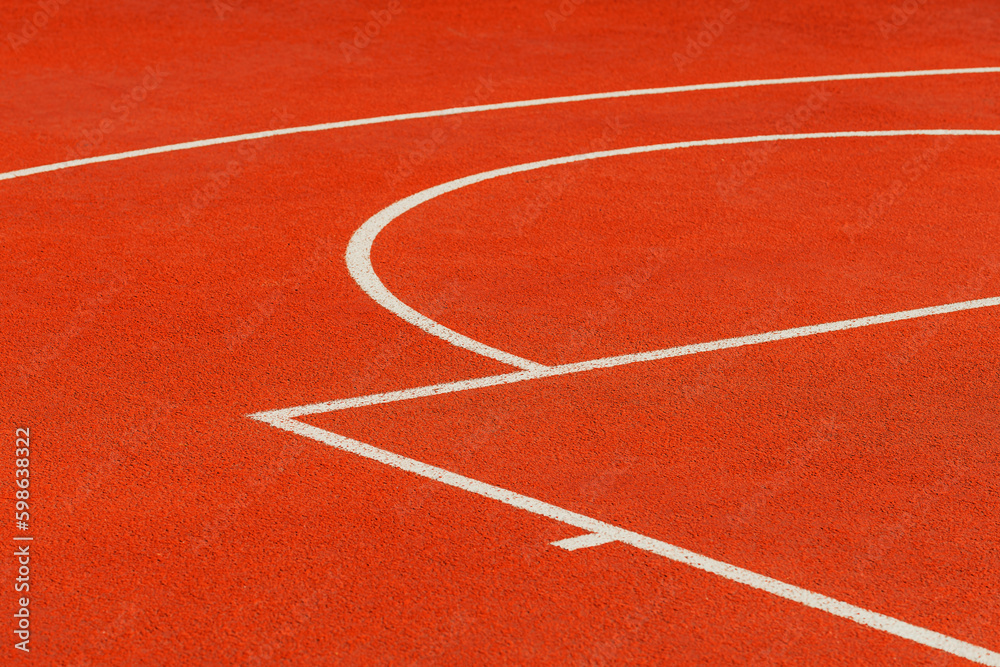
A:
599	532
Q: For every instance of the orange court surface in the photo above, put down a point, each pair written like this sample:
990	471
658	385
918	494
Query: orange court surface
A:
524	332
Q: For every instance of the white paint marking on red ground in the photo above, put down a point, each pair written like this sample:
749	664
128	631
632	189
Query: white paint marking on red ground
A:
454	111
621	360
599	532
359	264
584	541
358	256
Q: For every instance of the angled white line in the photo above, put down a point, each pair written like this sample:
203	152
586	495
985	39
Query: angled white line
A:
358	256
321	127
359	264
599	532
584	541
608	532
622	360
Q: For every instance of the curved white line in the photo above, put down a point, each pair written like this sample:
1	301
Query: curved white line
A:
359	263
360	247
113	157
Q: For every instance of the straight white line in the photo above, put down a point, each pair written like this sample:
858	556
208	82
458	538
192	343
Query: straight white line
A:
321	127
585	541
622	360
404	394
780	589
598	532
797	332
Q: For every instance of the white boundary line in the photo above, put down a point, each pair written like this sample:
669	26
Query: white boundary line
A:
359	264
359	249
321	127
598	532
621	360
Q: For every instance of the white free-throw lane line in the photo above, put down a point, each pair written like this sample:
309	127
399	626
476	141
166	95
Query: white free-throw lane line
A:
359	249
621	360
599	532
322	127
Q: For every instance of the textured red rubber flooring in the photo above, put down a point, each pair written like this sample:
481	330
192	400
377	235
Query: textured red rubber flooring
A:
143	320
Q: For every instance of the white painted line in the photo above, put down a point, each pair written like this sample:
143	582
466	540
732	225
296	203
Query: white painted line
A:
584	541
359	264
784	334
599	532
321	127
622	360
781	589
760	582
405	394
359	249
